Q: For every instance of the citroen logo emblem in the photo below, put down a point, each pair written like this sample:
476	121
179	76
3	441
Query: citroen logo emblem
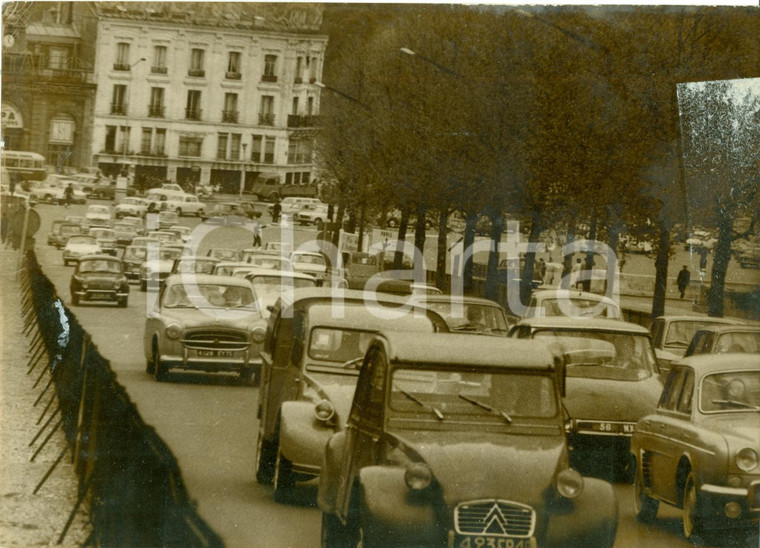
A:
495	523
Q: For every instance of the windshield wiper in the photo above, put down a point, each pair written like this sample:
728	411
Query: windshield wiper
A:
487	407
737	404
432	409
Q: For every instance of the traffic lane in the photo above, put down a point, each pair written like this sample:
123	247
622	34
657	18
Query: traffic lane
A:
208	421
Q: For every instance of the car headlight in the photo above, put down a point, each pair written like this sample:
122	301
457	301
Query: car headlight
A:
257	334
418	476
324	411
173	331
569	483
117	284
746	459
84	285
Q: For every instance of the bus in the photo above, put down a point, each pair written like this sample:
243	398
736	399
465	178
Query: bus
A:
22	165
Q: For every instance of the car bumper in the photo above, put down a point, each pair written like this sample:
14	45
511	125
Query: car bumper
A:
189	359
100	294
719	497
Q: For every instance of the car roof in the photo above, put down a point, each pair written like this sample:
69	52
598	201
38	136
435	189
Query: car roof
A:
580	324
551	293
719	329
713	363
693	318
258	271
198	258
99	257
202	279
450	348
364	316
303	295
465	299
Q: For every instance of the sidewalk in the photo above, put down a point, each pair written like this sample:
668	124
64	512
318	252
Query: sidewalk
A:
27	519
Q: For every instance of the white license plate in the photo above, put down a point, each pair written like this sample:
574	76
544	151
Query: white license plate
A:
484	541
215	353
100	296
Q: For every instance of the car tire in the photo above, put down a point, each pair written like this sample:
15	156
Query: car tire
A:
123	303
158	370
265	455
200	213
143	285
644	506
283	480
74	300
692	514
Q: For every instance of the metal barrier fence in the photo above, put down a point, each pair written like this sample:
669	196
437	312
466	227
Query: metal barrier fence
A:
129	481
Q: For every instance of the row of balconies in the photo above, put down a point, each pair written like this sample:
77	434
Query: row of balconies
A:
201	73
228	116
160	152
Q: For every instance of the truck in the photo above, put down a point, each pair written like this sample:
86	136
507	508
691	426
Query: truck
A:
269	186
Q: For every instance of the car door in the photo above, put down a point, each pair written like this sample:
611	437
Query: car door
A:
364	427
279	378
660	454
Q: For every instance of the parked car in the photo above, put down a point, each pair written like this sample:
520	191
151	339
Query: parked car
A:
106	190
269	285
98	215
743	339
309	370
312	214
157	267
393	219
187	204
612	381
469	314
78	246
211	324
747	252
671	335
131	206
99	278
700	240
450	442
579	304
699	450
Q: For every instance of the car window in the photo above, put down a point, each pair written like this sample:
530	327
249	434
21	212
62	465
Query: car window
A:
687	392
99	266
471	317
364	384
671	397
338	346
738	342
208	296
730	391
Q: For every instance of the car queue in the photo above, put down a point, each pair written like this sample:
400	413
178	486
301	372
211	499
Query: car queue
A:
582	365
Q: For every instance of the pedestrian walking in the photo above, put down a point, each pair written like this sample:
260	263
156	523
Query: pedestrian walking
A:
68	194
703	260
256	233
575	274
684	277
276	212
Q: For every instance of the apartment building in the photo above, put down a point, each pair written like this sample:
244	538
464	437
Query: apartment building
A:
209	93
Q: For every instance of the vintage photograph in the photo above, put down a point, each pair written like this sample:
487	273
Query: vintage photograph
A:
379	275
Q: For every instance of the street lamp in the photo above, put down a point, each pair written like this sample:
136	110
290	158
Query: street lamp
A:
352	99
242	170
440	67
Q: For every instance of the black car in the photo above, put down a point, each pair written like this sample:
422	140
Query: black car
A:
99	278
227	214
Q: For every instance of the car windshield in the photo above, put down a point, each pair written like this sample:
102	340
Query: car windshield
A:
196	266
680	333
730	391
82	240
169	254
742	342
603	355
209	296
135	253
332	344
165	237
102	233
463	397
578	307
274	263
225	254
71	230
309	259
100	210
123	227
476	318
99	265
260	281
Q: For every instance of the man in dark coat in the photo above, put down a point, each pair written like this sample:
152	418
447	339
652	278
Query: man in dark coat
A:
684	277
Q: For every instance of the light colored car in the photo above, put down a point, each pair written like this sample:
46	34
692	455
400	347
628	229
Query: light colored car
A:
78	246
293	204
106	238
188	204
310	262
167	218
312	214
671	335
612	381
211	324
579	304
226	268
98	215
699	450
450	442
182	231
742	339
269	285
309	370
469	314
135	207
52	192
124	233
165	236
270	261
700	240
157	267
194	264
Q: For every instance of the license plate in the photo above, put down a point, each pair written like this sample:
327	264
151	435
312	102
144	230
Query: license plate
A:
606	427
484	541
215	353
100	296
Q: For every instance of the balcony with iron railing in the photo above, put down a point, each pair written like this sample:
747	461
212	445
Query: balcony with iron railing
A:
193	113
36	68
119	108
233	75
121	66
156	111
158	70
266	119
198	73
268	78
155	151
230	116
301	121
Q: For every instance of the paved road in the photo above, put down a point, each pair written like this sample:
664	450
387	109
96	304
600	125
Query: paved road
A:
210	422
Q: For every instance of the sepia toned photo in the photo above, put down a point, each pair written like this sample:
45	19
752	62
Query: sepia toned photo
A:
421	275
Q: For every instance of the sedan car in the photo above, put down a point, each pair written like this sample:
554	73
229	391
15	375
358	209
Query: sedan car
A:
131	207
225	254
133	258
62	231
269	285
558	302
98	215
310	262
450	442
671	335
78	246
106	239
99	278
157	267
227	214
699	450
194	264
309	370
612	381
211	324
725	339
469	314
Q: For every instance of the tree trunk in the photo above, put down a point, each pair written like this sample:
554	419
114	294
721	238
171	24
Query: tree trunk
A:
360	239
661	269
722	254
567	260
469	239
526	277
398	258
440	266
338	224
492	275
419	231
590	254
